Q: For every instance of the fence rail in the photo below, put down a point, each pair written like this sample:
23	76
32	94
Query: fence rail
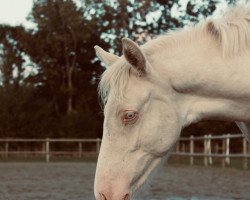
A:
221	148
45	150
209	147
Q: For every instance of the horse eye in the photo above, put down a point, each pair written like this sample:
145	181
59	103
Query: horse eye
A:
129	117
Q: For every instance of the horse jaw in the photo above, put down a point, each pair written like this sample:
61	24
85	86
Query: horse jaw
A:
124	174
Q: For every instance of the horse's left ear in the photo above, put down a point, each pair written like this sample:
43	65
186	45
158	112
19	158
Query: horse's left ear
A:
106	57
134	55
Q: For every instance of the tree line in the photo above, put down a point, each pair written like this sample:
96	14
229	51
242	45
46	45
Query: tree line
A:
49	73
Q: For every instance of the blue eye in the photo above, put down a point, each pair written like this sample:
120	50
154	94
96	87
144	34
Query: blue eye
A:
129	117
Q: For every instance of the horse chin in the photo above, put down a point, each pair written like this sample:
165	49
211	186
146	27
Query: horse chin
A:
140	181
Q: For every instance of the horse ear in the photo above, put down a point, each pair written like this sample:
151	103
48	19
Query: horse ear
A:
134	55
106	57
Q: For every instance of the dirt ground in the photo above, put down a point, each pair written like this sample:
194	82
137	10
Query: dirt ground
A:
74	181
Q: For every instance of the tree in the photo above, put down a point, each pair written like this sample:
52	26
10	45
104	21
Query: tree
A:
11	56
66	73
60	98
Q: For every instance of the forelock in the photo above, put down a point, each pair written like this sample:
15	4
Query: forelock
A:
114	81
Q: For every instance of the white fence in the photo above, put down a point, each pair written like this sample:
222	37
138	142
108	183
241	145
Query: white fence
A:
212	147
45	147
207	147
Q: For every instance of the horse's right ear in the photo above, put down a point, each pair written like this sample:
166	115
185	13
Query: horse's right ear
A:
134	55
106	57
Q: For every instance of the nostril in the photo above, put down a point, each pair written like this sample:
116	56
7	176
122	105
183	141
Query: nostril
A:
126	197
103	197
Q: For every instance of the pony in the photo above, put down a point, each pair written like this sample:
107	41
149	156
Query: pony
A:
153	91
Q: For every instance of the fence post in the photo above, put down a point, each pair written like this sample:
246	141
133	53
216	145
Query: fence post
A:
98	145
205	150
210	149
223	152
6	149
47	150
191	150
228	149
80	149
245	153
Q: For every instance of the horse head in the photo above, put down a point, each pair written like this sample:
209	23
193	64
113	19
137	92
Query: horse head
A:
141	123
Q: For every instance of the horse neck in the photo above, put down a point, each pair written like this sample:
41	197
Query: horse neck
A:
208	85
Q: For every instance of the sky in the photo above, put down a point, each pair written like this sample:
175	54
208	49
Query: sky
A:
14	12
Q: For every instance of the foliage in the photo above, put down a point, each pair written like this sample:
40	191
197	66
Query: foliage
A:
58	98
11	55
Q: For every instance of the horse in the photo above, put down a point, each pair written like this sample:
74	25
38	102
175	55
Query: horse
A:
153	91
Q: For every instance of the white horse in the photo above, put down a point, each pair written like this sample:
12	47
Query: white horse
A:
153	91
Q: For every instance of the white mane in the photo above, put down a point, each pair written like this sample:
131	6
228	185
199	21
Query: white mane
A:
232	32
116	77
